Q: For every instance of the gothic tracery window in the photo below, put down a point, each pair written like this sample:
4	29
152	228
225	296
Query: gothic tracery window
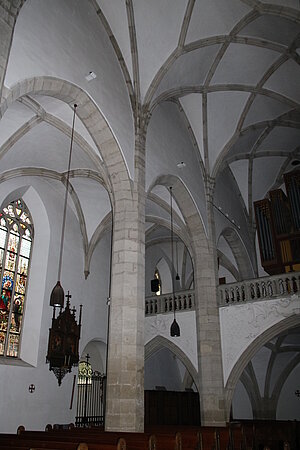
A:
16	233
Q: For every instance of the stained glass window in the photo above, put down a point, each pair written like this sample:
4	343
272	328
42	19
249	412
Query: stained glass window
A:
16	232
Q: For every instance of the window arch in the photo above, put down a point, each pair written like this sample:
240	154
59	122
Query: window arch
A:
16	234
157	277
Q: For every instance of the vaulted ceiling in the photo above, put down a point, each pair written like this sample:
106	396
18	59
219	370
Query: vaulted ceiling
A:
218	79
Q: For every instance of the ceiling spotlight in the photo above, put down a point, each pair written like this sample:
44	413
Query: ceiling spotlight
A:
181	165
90	76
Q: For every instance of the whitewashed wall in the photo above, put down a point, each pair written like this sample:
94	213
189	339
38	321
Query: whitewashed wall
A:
50	403
242	324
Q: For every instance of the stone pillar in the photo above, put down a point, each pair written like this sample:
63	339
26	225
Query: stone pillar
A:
9	10
125	369
212	401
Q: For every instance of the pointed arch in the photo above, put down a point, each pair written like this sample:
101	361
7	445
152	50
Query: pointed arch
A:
89	114
262	339
159	342
240	253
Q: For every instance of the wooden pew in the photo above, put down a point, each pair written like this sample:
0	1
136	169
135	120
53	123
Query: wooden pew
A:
222	438
237	440
208	438
134	441
189	434
168	441
36	440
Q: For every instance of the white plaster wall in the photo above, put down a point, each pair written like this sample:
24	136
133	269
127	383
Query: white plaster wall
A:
169	143
66	39
162	369
223	272
226	196
241	405
242	324
50	403
97	352
159	255
288	407
187	341
155	254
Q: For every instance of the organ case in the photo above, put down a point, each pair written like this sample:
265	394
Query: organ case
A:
278	226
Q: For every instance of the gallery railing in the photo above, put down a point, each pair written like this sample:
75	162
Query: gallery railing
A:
165	303
264	288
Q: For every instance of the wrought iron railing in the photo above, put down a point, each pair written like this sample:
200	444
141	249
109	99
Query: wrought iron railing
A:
264	288
165	303
91	397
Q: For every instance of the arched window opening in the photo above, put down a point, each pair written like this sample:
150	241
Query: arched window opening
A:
157	277
84	373
16	234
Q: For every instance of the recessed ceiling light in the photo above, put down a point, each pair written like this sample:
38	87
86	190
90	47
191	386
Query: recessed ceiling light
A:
90	76
181	165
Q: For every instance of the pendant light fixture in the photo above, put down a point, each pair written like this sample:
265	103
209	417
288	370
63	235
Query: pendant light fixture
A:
174	330
177	278
64	334
57	295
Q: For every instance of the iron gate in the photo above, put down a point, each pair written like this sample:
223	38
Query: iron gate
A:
91	397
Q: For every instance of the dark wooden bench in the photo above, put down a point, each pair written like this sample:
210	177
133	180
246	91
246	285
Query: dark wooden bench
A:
134	441
189	435
208	438
30	440
222	438
237	440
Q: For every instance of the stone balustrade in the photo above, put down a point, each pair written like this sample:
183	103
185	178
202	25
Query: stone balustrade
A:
165	303
264	288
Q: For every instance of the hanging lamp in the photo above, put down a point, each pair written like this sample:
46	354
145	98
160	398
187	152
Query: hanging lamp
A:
174	330
57	295
64	334
177	278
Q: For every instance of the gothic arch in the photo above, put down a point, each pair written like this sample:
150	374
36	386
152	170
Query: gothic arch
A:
89	114
239	252
188	208
227	264
248	354
96	349
159	342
